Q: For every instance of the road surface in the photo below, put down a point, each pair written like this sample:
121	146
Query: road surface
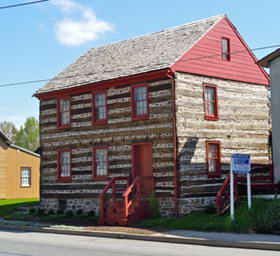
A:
16	243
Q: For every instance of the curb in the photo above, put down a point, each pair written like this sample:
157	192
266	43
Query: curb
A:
192	241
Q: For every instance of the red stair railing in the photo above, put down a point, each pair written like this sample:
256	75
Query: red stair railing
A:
141	186
104	202
223	196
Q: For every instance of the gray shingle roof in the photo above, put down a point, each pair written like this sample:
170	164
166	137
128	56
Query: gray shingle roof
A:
133	56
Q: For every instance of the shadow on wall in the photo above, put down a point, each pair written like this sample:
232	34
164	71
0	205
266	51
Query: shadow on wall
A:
193	178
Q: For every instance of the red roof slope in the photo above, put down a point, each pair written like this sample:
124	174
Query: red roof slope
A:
204	58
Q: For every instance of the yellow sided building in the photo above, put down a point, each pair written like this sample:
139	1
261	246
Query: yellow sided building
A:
19	171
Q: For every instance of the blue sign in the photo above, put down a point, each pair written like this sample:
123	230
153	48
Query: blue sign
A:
241	163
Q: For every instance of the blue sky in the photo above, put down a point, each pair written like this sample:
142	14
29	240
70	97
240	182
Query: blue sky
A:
38	41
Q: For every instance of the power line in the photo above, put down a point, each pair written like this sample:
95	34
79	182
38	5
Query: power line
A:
86	82
231	53
27	3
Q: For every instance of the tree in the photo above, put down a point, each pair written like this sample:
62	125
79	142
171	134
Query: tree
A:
9	129
28	135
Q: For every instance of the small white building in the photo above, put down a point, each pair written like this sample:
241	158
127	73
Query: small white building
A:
272	61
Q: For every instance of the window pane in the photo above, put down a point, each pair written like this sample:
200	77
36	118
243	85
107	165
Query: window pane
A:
210	99
140	93
225	49
100	106
211	108
140	100
64	112
99	99
100	113
212	165
213	157
25	177
101	162
65	164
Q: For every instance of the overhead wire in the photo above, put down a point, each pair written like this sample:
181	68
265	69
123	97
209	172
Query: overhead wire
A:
86	82
22	4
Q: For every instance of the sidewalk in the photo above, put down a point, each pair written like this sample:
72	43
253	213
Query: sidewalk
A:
247	241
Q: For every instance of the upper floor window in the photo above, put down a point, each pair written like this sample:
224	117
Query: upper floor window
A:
64	165
100	162
64	112
210	102
225	49
140	102
213	158
25	176
99	107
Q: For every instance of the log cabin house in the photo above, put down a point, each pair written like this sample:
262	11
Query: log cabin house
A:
19	171
161	112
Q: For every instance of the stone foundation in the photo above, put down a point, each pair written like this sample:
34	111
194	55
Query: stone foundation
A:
188	205
71	204
166	206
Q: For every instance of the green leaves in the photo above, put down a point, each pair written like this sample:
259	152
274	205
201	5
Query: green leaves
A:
28	134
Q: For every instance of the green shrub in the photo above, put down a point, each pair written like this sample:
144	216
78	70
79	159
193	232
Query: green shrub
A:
41	212
91	213
154	207
59	212
210	209
266	219
80	212
32	211
51	212
69	213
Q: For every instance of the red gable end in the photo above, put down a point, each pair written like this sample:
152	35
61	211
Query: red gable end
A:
205	57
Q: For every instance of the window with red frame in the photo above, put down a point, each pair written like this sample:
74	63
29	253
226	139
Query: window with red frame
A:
140	101
210	102
225	49
100	162
64	164
213	158
99	107
64	113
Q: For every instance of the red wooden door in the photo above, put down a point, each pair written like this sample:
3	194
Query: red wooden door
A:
142	166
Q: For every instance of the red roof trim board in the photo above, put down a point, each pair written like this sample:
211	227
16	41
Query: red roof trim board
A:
204	57
105	84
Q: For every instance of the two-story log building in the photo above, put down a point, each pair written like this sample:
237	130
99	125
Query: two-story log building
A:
160	112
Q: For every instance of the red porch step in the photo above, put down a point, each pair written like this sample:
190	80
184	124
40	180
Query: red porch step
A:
132	207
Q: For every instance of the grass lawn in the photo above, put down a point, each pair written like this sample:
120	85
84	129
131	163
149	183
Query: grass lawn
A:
245	221
8	206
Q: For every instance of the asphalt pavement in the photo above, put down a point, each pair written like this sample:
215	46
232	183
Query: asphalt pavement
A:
19	243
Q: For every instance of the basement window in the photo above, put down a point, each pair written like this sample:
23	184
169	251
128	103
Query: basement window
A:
25	176
213	156
225	49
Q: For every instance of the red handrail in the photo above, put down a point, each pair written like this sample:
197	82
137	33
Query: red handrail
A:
110	184
223	195
137	184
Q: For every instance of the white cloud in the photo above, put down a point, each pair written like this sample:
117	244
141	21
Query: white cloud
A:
82	28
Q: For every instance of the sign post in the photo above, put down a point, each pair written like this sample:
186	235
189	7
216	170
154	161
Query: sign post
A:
231	190
239	164
249	192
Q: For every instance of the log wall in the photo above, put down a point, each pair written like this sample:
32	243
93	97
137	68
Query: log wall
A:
243	127
119	134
